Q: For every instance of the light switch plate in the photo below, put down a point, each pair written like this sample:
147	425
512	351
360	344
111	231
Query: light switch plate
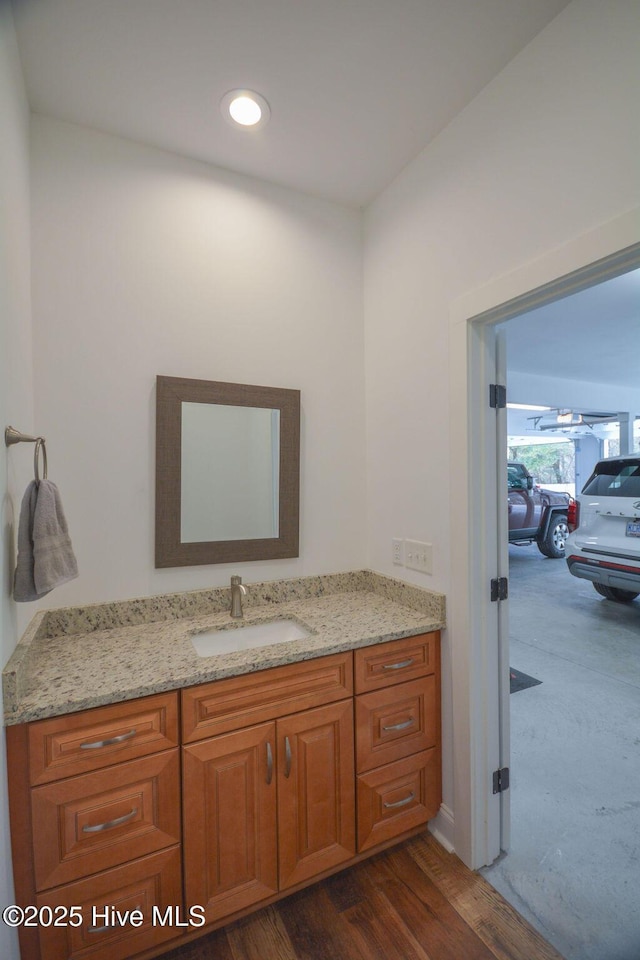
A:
418	556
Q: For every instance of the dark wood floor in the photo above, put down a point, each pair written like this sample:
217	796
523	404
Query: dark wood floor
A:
413	902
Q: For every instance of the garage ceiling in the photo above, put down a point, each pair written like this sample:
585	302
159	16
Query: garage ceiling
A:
592	336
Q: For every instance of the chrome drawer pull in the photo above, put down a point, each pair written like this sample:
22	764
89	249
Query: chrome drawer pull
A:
397	666
400	726
287	757
111	823
400	803
107	743
269	763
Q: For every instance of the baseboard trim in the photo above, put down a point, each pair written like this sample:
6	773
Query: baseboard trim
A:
442	827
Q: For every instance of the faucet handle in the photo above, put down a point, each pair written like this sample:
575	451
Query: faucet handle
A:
237	593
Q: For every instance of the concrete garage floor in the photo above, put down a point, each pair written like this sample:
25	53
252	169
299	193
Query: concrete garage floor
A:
574	865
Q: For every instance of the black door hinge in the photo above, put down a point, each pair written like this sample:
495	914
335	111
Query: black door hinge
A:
499	589
497	395
501	780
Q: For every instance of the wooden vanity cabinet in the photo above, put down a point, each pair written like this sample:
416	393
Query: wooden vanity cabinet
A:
258	784
95	811
271	805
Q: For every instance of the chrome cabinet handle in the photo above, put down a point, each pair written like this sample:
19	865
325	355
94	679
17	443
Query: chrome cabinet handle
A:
400	803
397	666
108	824
400	726
107	743
287	757
269	763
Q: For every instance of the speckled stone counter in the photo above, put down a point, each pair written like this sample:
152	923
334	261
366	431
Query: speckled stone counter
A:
80	657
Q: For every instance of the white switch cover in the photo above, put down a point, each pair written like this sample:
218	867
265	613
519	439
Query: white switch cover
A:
418	556
398	552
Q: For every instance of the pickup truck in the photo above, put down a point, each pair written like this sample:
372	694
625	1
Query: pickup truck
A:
536	515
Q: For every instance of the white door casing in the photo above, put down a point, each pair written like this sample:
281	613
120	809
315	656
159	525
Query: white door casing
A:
476	627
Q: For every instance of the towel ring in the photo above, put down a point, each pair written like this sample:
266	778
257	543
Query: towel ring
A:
40	445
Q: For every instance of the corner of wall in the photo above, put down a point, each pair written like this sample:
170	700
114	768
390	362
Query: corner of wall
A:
16	382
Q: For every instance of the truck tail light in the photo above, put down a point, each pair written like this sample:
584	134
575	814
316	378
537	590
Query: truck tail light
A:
573	515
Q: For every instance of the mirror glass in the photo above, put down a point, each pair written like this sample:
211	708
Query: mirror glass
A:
229	456
227	472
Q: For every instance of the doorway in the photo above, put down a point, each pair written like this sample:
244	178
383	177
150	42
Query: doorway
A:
475	831
573	730
549	908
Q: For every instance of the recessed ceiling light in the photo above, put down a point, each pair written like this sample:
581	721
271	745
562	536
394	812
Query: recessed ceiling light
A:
244	108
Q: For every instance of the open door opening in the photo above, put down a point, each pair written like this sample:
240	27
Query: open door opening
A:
490	334
479	660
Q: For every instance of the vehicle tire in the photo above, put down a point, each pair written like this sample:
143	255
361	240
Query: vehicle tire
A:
615	593
553	543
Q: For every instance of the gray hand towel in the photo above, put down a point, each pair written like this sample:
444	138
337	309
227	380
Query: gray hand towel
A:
45	554
24	587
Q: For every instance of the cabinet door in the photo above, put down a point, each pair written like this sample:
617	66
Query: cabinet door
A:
316	809
229	839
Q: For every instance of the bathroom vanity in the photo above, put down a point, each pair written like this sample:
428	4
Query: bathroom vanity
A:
175	792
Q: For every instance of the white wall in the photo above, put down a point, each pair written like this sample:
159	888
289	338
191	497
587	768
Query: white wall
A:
15	371
146	263
547	152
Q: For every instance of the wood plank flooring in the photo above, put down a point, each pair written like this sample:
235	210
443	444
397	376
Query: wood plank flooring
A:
413	902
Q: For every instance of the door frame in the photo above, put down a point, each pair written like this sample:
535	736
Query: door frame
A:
478	828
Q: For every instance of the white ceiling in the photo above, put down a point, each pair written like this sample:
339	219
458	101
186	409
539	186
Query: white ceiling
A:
356	87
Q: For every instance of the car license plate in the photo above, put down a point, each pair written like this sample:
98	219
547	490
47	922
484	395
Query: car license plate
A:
633	528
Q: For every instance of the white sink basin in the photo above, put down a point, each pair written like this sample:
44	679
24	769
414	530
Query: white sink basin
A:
210	643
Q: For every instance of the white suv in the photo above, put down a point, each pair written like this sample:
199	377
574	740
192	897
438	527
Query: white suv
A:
604	545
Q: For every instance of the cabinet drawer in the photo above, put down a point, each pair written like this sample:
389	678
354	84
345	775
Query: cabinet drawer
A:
395	722
397	797
395	662
224	705
89	823
153	881
80	742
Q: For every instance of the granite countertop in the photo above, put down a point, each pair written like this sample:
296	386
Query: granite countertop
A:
81	657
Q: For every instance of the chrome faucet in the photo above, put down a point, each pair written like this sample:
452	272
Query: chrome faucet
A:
238	591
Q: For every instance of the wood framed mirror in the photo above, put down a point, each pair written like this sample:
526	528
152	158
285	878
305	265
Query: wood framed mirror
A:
227	472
